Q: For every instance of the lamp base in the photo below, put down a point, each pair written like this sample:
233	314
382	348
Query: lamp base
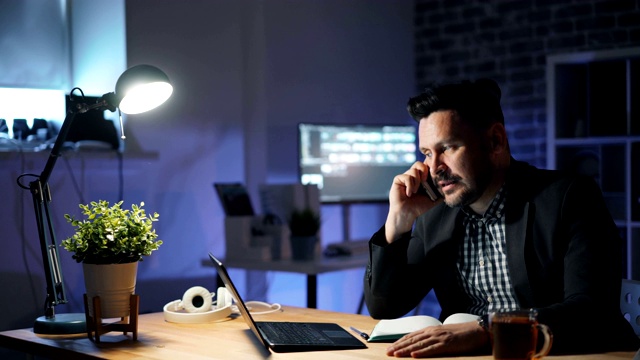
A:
61	324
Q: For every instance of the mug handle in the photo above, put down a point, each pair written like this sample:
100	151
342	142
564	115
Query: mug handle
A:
548	341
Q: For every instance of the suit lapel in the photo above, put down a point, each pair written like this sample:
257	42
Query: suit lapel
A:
446	242
517	218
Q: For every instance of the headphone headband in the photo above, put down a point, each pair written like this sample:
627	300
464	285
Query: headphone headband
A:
186	312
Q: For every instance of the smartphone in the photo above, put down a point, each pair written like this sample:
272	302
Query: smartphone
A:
431	189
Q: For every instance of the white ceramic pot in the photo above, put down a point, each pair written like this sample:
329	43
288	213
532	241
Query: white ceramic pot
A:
114	283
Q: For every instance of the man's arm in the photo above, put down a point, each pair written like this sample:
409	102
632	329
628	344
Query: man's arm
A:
406	202
587	245
390	287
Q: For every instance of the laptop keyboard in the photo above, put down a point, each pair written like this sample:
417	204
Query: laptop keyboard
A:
293	333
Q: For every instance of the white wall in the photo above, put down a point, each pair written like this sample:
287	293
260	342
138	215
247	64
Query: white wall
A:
244	74
40	24
98	47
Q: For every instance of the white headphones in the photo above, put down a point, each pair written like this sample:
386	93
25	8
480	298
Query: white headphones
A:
197	306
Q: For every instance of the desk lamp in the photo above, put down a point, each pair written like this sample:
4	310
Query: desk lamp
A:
139	89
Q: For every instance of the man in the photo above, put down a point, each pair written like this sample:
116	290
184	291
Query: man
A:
505	236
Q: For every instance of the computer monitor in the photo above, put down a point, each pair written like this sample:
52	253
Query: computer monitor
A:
354	163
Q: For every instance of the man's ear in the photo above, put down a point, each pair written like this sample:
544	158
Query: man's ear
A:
497	137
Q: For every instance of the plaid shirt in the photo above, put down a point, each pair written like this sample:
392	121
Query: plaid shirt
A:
482	263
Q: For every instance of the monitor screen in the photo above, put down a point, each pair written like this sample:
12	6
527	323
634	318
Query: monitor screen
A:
354	163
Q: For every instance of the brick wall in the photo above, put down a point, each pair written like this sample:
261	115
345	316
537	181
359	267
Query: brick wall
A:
509	41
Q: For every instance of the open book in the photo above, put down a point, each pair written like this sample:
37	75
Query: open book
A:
394	329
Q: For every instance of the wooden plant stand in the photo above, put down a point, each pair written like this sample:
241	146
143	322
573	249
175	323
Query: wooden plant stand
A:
95	326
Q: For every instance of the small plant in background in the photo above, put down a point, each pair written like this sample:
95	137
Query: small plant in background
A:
305	222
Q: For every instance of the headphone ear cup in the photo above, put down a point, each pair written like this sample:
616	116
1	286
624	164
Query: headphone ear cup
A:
224	298
197	300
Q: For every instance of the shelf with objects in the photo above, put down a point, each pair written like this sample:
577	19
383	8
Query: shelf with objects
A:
262	242
593	128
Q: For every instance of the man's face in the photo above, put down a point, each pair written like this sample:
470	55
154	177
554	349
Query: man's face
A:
457	156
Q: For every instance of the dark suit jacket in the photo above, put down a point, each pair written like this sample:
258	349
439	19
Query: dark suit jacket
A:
564	259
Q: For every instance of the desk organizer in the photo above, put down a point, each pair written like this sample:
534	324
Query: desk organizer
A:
95	326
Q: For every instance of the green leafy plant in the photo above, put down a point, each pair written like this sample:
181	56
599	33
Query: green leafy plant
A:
305	222
112	235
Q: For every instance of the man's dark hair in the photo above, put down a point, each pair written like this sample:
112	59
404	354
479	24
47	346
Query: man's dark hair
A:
477	103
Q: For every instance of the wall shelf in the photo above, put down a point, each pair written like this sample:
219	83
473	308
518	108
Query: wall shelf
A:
593	128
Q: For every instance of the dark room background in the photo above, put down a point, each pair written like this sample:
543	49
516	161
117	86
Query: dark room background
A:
245	73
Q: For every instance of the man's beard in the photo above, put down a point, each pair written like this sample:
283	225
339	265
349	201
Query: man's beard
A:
469	192
466	197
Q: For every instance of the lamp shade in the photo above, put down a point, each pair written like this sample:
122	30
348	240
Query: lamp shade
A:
142	88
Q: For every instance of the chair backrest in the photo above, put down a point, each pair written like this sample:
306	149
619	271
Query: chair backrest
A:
630	303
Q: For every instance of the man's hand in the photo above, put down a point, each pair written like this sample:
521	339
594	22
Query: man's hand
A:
441	340
406	203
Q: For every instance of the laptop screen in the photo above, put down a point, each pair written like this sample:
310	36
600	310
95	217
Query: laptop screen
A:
222	272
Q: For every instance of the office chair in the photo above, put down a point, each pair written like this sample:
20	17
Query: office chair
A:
630	303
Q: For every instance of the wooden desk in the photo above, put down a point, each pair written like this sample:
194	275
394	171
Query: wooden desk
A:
229	339
311	268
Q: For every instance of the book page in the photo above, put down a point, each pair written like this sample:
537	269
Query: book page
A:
393	329
460	318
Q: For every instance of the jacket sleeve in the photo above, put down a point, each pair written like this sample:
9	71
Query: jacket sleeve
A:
392	286
586	252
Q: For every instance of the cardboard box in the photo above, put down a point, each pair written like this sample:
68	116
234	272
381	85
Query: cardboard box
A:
251	238
279	201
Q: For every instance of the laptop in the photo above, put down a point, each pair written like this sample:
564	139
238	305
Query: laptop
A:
277	335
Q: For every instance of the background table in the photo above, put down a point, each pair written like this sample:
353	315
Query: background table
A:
311	268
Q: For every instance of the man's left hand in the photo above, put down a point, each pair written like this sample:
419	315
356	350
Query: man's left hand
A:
441	340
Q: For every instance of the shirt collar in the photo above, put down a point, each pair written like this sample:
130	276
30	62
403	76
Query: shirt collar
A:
495	209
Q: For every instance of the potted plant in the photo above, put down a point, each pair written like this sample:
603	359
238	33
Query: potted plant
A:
109	242
304	225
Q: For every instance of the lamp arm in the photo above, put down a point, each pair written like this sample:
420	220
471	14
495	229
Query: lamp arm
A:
50	258
105	102
41	196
